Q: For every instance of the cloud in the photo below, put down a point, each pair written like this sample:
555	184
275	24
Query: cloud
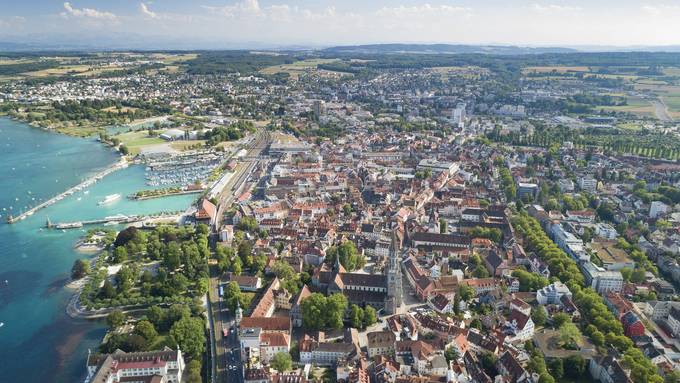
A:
660	9
555	8
87	13
147	12
425	10
239	9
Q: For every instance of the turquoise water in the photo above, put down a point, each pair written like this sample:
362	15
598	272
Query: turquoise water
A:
38	342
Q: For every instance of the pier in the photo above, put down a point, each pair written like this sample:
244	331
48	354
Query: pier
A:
88	182
118	219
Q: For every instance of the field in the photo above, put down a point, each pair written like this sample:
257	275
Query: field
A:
185	145
135	141
298	67
636	105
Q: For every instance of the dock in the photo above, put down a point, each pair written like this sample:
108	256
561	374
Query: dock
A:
88	182
118	219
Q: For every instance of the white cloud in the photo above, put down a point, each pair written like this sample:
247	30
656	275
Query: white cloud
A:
425	10
660	9
147	12
555	8
239	9
87	13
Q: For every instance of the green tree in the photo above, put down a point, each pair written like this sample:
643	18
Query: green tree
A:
189	335
637	276
281	361
356	316
370	316
120	254
147	330
560	318
443	226
193	371
81	267
557	368
574	366
539	316
451	354
570	336
115	319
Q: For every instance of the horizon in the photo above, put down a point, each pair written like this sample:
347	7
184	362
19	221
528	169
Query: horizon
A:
265	24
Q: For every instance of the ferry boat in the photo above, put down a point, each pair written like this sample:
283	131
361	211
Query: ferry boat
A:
109	198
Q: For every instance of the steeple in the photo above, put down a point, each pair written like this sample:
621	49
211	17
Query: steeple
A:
394	290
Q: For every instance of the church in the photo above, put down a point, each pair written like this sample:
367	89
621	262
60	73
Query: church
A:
382	291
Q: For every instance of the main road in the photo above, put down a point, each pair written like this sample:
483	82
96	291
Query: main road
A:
225	356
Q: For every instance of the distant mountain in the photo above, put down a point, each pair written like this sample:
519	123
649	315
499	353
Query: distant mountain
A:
445	49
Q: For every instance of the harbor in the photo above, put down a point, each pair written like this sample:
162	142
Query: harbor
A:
113	220
87	183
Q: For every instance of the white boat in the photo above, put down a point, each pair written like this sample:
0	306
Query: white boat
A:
2	324
86	192
109	198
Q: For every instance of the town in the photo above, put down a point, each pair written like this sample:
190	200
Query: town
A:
371	216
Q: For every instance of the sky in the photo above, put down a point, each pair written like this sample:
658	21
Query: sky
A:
285	23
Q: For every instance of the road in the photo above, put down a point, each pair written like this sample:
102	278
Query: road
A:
225	355
661	110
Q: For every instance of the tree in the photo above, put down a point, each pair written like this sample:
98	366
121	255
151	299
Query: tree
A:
637	276
335	310
188	334
570	335
350	258
560	318
557	368
283	270
193	371
120	254
107	290
80	268
115	319
124	150
539	316
370	316
147	330
443	226
451	354
574	366
356	316
466	292
155	315
282	361
626	272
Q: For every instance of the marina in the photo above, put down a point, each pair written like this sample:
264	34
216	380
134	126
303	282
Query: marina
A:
182	169
87	183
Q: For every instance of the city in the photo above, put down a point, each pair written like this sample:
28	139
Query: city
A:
388	213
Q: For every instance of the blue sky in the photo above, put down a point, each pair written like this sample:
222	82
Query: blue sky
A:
323	22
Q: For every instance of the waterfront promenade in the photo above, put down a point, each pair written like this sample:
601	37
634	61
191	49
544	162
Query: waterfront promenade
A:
123	163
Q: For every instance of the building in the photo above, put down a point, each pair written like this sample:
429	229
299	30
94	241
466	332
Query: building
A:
552	294
602	280
632	325
450	168
612	257
380	343
165	366
441	240
519	327
394	289
587	184
657	209
527	189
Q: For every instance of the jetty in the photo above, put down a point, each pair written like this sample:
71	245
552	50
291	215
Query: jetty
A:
88	182
114	220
